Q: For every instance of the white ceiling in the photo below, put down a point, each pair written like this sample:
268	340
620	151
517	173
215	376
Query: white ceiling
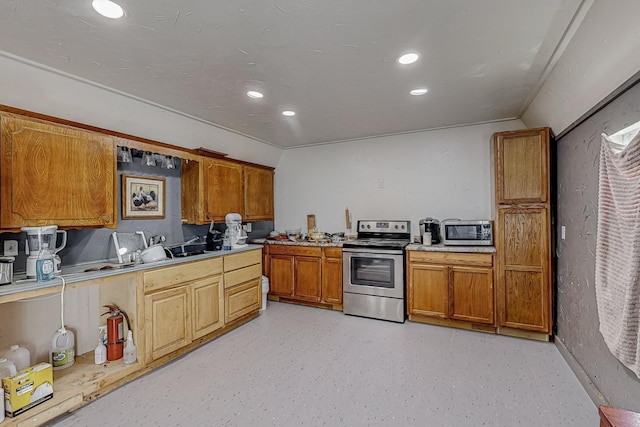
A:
331	61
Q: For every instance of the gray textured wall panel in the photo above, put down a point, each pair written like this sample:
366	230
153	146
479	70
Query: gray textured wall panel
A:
577	207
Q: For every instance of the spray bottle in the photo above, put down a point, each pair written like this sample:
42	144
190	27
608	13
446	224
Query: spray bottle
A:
100	353
130	351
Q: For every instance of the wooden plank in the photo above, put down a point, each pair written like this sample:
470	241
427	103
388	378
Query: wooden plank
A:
616	417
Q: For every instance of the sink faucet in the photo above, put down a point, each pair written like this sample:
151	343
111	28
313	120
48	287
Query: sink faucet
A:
158	238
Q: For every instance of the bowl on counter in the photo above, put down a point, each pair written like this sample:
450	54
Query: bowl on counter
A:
294	234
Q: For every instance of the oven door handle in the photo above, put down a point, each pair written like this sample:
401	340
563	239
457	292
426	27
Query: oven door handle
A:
373	251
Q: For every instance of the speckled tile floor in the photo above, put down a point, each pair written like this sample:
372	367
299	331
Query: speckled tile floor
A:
302	366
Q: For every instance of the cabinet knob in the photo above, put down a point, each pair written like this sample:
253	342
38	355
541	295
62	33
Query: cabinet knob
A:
107	218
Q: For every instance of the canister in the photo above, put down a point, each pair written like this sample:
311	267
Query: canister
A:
6	269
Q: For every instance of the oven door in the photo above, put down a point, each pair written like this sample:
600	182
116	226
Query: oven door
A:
373	272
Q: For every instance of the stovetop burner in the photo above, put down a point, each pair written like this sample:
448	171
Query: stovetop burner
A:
381	234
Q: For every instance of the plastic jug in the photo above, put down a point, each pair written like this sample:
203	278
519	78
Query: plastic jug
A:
20	356
63	349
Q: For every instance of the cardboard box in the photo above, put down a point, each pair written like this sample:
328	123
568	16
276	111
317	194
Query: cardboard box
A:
27	388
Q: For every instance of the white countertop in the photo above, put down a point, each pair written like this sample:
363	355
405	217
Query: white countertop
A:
77	273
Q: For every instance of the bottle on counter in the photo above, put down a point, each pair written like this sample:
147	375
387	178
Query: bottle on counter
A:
100	353
130	351
20	356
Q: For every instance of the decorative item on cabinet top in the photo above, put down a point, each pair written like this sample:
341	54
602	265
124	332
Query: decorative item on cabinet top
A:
147	158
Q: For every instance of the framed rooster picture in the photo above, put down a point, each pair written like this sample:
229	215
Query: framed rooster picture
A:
143	197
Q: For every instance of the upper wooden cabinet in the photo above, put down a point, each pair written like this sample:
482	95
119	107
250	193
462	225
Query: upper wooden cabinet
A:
258	194
55	174
212	188
522	166
223	189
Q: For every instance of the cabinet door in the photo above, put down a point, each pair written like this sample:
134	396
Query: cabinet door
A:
281	277
471	295
308	284
207	298
242	299
522	166
167	321
524	269
192	192
332	276
224	189
428	290
53	174
258	194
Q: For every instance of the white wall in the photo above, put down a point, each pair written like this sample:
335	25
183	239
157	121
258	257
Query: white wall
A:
29	87
441	173
601	56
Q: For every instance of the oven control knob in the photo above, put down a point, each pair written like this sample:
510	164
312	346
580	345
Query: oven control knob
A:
368	225
402	226
396	226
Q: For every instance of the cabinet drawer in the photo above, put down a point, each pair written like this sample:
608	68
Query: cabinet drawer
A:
332	252
452	258
244	259
236	277
295	250
242	300
170	276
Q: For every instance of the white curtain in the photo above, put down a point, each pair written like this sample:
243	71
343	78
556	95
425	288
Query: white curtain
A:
618	249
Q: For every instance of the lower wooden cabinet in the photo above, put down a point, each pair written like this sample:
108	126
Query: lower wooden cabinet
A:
450	286
242	284
207	305
182	303
168	321
306	274
524	275
332	275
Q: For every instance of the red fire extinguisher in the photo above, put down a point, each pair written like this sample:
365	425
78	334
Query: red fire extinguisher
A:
115	332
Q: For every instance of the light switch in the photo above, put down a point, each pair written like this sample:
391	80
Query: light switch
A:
381	183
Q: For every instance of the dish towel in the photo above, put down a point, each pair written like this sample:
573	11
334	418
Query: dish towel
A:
618	250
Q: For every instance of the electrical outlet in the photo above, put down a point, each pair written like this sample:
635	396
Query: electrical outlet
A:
11	248
380	183
563	232
247	227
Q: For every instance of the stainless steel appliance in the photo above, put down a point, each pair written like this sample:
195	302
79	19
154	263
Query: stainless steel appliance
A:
373	270
430	225
467	232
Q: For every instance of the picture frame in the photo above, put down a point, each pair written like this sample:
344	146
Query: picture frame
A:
143	197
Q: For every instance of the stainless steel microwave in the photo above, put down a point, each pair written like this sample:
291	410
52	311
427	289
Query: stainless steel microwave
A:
467	232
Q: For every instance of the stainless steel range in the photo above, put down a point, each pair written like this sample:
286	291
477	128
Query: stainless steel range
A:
373	270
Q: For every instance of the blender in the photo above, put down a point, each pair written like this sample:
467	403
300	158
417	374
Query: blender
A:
41	239
237	236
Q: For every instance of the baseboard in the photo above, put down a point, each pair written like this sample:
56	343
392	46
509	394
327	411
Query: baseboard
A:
591	389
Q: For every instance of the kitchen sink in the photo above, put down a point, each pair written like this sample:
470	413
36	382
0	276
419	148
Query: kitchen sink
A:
187	249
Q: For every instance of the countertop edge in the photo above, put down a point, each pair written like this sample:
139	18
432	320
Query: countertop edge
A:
26	285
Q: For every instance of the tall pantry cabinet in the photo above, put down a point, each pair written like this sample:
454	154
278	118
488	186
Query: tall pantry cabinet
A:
523	232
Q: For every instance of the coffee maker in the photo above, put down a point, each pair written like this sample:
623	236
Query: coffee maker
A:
41	239
237	236
433	226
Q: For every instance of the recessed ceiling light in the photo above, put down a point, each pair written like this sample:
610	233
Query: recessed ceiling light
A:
254	94
108	9
420	91
408	58
288	113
